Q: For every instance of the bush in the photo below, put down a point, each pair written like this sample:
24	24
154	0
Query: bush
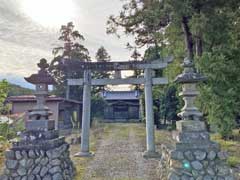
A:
97	107
10	128
233	161
4	127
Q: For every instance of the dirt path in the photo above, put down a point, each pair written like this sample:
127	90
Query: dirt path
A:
119	156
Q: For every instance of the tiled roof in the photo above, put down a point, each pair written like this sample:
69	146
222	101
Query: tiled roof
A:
30	98
120	95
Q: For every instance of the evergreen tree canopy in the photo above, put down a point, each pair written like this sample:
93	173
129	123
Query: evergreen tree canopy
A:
207	32
71	50
102	55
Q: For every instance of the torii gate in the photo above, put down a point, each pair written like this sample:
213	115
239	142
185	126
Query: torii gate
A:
87	82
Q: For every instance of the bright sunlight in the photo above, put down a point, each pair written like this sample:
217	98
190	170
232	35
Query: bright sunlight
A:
50	13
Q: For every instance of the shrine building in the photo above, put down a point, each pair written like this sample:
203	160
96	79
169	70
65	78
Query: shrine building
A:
122	106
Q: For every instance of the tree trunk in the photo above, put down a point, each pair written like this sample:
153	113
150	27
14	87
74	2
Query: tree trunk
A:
165	118
188	37
199	45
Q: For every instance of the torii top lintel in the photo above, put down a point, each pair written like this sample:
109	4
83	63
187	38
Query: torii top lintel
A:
114	65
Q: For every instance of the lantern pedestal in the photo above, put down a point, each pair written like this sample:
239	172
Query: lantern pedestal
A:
46	125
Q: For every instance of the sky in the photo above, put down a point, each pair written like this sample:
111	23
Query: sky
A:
29	30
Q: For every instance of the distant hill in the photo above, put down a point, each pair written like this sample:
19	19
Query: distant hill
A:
16	90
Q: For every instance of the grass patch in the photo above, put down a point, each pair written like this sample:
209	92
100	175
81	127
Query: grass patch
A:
231	146
116	130
4	145
81	163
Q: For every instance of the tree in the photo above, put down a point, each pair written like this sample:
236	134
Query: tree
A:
136	56
71	50
220	99
72	44
169	104
101	56
139	19
4	88
98	102
207	31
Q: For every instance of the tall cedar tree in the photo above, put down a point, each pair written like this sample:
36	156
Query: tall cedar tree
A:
72	49
101	56
136	56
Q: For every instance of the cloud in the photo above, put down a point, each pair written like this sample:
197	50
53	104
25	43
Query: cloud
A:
23	42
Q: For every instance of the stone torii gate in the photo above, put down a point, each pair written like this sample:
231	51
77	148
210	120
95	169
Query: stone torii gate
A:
87	82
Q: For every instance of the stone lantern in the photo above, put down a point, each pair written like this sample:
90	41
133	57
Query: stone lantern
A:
193	155
38	118
189	79
189	114
40	153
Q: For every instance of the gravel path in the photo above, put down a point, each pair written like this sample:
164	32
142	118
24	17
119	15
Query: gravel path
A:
119	156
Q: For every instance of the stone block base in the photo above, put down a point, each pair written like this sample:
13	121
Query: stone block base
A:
194	164
84	154
39	164
150	155
35	125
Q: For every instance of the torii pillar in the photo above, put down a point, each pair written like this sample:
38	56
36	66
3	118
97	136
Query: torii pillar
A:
151	151
86	116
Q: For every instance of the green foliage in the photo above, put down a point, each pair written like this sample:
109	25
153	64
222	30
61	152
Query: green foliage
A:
2	139
9	131
101	56
233	161
208	31
220	95
97	107
152	53
4	88
144	19
169	104
4	128
72	44
231	146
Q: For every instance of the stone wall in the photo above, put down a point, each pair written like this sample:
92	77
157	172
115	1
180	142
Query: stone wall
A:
39	163
194	163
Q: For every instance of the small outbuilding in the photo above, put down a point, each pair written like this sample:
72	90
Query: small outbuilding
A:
122	106
65	111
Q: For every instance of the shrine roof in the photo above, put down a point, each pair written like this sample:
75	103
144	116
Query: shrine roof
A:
32	98
120	95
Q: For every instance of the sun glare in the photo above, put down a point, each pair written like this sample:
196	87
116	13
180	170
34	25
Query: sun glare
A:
49	13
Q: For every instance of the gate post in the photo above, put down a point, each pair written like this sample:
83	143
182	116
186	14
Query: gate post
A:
86	115
150	137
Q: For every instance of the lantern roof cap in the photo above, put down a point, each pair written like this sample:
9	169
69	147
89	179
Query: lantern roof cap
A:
43	76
